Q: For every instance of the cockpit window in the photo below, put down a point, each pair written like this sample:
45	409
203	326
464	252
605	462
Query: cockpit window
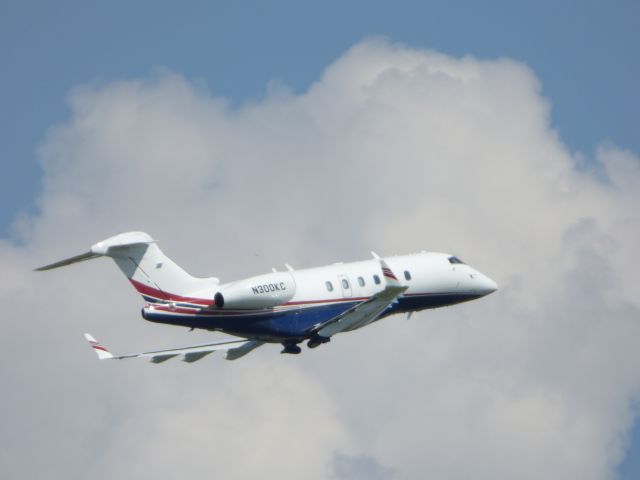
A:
455	260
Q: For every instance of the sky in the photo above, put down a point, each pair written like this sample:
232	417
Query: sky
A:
504	133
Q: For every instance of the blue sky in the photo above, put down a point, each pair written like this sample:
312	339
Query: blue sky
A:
584	54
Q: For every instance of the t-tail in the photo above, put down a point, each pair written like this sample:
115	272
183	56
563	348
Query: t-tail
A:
154	275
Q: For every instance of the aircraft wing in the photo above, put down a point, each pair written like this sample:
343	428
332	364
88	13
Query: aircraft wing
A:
234	348
366	312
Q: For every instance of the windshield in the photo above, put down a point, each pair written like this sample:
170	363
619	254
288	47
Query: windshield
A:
455	260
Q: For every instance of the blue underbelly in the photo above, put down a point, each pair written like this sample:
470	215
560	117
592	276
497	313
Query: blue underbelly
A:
269	325
294	323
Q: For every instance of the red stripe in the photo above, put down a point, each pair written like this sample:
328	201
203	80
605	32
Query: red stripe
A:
100	347
146	290
176	310
210	313
305	302
216	312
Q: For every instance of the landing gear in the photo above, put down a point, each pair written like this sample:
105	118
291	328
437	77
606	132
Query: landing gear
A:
317	340
291	348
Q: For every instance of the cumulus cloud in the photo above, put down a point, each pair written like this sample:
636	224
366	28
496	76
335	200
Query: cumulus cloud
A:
393	149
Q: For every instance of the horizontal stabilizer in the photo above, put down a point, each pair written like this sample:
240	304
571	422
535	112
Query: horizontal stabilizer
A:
68	261
113	247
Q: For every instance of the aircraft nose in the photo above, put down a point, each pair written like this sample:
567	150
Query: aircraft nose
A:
485	285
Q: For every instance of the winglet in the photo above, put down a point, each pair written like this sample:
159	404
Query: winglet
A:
101	351
388	274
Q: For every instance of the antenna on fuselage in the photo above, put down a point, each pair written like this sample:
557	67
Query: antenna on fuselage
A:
375	255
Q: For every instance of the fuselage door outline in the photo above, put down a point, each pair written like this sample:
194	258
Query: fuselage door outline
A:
345	285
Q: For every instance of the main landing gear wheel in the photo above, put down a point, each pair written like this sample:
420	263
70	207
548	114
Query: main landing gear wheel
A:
291	348
317	340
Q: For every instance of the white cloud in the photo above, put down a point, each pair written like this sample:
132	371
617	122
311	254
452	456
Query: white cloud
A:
394	149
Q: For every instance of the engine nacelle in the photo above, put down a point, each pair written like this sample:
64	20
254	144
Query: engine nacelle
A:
263	291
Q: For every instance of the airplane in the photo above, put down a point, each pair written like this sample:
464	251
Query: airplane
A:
282	307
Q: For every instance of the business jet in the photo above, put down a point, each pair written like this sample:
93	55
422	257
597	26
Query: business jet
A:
283	307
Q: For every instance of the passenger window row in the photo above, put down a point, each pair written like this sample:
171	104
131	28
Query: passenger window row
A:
361	282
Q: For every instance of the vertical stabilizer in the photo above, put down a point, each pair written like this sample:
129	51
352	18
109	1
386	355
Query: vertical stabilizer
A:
150	271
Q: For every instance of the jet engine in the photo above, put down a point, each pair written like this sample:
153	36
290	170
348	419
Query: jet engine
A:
263	291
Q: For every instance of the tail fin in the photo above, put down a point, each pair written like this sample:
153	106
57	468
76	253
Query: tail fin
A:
151	272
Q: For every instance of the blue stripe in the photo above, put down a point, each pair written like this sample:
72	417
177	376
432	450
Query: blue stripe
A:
294	323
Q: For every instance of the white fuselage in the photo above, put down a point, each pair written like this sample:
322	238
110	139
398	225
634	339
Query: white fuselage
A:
287	304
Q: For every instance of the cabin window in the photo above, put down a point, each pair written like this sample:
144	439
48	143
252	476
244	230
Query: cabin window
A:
376	279
329	286
345	284
407	275
361	281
